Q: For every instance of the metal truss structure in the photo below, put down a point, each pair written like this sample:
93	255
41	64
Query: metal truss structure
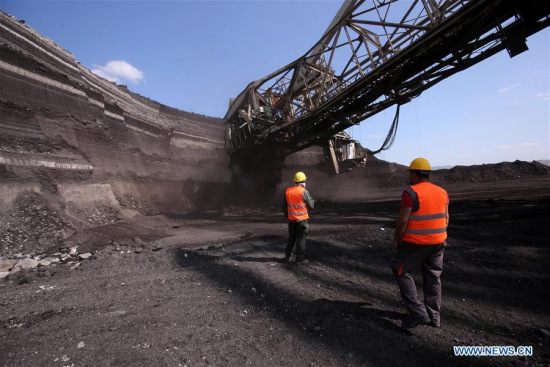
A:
374	54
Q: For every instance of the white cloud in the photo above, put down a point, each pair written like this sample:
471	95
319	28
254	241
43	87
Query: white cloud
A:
507	89
118	70
544	96
104	75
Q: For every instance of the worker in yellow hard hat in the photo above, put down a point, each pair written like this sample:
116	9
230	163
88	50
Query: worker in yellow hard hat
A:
297	202
419	242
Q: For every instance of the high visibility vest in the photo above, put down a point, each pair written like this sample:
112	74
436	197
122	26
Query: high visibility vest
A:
427	224
295	205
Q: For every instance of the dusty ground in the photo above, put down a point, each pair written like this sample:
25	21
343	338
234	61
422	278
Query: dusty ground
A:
208	288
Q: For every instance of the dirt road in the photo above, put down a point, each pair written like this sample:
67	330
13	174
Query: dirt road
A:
209	289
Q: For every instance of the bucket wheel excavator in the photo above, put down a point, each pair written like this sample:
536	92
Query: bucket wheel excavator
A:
373	55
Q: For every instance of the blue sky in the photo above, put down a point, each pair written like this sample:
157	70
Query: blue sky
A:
195	55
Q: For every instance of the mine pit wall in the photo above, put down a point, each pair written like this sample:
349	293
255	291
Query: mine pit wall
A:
86	142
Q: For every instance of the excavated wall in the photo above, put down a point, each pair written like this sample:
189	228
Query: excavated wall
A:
67	133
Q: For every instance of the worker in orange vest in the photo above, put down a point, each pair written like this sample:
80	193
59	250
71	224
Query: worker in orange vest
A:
419	241
297	202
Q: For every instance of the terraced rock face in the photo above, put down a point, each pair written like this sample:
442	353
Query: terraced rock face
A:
60	122
85	144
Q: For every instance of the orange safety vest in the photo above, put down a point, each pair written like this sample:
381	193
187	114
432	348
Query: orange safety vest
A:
295	205
427	224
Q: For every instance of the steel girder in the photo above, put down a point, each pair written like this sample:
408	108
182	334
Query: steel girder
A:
375	54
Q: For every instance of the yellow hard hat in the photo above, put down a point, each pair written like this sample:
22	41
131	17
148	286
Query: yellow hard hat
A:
420	164
300	177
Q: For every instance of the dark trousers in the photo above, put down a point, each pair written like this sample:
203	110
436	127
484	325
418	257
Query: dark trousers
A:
297	234
429	258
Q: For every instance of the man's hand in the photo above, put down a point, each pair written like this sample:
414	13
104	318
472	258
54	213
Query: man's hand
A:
401	225
395	245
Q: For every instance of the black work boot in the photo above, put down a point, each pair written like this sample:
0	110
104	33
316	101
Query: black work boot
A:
435	323
413	321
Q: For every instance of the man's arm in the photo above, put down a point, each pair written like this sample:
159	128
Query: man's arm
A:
401	225
308	199
447	214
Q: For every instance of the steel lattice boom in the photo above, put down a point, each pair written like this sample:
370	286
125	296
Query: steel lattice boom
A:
374	54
